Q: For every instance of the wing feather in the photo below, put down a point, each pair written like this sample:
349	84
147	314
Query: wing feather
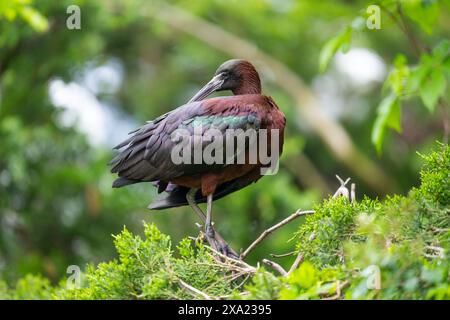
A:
146	155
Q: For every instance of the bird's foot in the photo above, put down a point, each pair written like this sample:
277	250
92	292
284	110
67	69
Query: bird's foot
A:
210	236
218	243
209	231
226	250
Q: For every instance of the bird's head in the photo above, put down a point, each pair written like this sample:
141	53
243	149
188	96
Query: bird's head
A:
237	75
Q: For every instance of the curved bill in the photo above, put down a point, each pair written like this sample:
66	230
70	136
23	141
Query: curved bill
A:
212	86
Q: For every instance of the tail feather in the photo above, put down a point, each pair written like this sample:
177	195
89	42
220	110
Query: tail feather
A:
120	182
177	196
172	199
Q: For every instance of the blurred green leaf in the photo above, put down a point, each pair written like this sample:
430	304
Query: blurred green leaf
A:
340	41
34	18
433	88
424	12
415	78
388	115
442	50
10	9
398	77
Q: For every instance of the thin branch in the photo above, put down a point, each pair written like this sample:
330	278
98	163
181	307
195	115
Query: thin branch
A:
227	296
353	192
231	260
267	232
275	266
439	230
193	290
440	253
342	190
392	16
435	248
402	24
301	256
343	183
296	263
340	286
417	46
282	255
242	282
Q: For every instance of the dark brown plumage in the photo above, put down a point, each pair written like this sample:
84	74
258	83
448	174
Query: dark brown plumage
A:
146	154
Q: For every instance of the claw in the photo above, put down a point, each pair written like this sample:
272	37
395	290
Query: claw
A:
209	231
212	237
218	244
226	250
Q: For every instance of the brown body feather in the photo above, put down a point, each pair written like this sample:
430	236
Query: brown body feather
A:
146	155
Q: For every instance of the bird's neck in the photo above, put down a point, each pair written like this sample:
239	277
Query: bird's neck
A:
250	84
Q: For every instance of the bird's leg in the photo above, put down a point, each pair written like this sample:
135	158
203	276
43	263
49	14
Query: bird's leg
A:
216	238
190	197
208	223
219	243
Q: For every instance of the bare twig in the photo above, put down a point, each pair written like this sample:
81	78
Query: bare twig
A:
243	282
267	232
275	266
439	230
296	263
342	190
403	26
440	253
392	16
231	260
193	290
343	183
227	296
416	44
353	192
282	255
339	288
300	255
435	248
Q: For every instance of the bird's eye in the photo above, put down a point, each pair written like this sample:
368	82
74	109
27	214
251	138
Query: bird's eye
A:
225	75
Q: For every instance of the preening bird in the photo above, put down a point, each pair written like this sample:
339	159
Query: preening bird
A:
146	156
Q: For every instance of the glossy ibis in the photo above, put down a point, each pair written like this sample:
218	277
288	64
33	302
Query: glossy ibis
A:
146	156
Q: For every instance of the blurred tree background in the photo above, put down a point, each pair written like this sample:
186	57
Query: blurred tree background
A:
67	96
